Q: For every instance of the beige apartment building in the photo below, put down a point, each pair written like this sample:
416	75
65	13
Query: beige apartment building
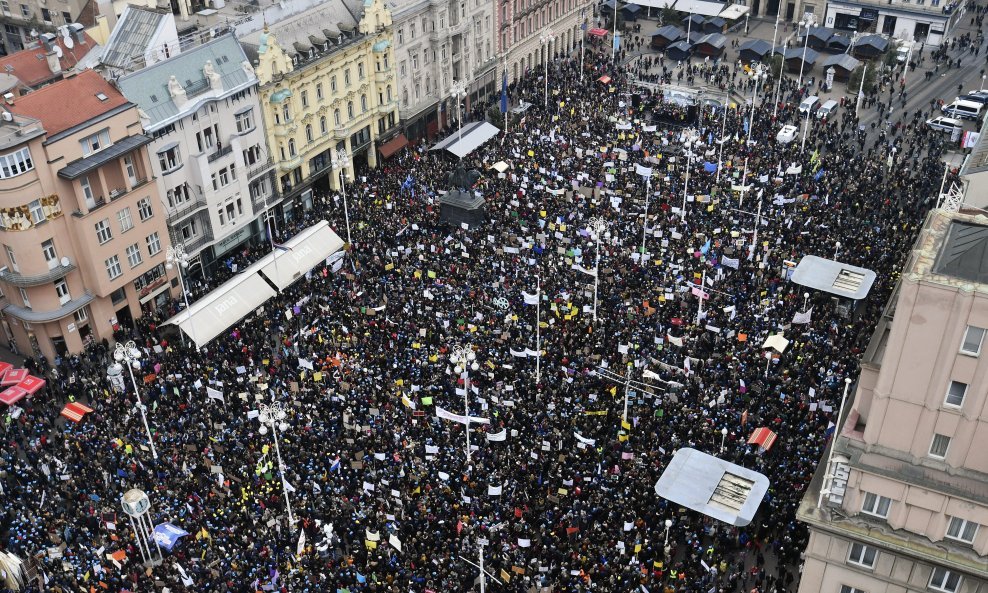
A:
901	503
81	222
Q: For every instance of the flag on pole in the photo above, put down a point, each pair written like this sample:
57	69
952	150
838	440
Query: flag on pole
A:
504	91
281	247
530	299
803	318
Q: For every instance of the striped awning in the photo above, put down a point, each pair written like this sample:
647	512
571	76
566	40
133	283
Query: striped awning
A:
12	395
75	411
763	437
31	384
13	377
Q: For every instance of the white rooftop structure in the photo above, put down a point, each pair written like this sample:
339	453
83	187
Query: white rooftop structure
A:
465	141
834	277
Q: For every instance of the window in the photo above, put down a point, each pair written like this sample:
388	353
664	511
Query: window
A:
849	589
401	36
169	159
319	95
876	505
349	109
37	212
337	118
154	244
305	99
15	163
87	192
363	103
48	249
125	220
972	340
27	301
962	530
286	112
189	231
25	11
103	233
360	71
955	394
62	290
134	255
346	77
144	208
96	142
177	196
245	121
862	555
332	83
323	129
945	580
113	267
308	132
938	448
81	315
291	147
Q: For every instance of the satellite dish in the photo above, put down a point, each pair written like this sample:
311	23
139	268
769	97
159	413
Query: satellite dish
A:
58	51
66	262
68	42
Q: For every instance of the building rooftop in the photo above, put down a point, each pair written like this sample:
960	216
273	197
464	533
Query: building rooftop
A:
148	88
323	23
133	35
834	277
89	95
951	250
30	66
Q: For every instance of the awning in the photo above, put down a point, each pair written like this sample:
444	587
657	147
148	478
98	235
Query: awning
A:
500	166
13	377
12	395
32	384
734	11
763	437
605	79
598	32
229	303
303	252
80	167
463	142
75	411
701	7
392	146
4	367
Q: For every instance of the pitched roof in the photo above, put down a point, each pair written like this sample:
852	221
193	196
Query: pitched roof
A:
49	104
331	15
133	35
148	88
31	67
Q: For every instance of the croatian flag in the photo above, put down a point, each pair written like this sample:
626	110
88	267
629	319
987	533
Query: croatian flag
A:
281	247
504	92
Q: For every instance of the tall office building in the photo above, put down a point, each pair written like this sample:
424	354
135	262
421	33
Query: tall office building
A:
901	503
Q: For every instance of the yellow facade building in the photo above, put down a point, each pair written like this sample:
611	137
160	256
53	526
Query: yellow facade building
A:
327	84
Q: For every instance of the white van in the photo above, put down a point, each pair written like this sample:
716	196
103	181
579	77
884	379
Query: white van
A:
945	124
963	109
827	109
809	105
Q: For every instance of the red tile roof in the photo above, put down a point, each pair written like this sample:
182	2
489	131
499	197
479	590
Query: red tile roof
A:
33	70
51	104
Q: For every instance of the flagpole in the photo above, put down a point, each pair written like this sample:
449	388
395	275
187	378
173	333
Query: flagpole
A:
744	185
699	305
538	332
648	194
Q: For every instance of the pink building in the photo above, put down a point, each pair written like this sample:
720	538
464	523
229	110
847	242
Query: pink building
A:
902	504
81	223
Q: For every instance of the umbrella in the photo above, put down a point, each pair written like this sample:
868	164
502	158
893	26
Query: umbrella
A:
598	32
605	79
31	384
763	437
75	411
776	342
13	377
4	367
500	166
12	395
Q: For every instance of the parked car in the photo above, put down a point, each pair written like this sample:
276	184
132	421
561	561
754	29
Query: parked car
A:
787	134
945	124
964	109
976	97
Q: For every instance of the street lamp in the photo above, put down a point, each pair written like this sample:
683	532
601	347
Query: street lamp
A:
723	437
176	255
982	82
665	546
760	74
806	128
458	90
341	162
546	38
274	415
807	22
129	354
778	83
597	226
465	360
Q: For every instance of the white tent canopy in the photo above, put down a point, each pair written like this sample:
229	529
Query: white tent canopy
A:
463	142
734	12
655	3
222	307
700	7
236	298
304	252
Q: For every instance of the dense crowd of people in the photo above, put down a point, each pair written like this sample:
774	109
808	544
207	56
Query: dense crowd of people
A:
384	494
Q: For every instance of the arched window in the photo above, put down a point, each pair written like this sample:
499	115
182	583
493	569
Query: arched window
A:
308	132
322	126
291	147
349	109
336	117
363	103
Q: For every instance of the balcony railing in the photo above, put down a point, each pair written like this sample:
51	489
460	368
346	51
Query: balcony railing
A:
187	208
220	153
260	167
198	242
114	194
24	280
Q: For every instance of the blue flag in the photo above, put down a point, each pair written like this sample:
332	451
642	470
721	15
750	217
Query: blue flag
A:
504	92
617	41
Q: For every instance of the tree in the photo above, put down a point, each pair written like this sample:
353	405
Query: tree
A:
776	64
870	82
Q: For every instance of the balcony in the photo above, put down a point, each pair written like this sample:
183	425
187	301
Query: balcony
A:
260	168
196	243
25	281
220	153
290	163
114	194
341	132
187	208
31	316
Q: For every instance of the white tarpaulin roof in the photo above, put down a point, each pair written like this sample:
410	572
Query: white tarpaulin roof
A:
734	11
655	3
463	142
700	7
305	251
224	306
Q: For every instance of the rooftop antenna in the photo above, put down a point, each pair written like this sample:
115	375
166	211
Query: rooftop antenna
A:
67	38
58	51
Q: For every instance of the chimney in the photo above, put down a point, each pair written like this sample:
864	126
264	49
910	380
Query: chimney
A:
78	32
54	64
47	41
9	98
